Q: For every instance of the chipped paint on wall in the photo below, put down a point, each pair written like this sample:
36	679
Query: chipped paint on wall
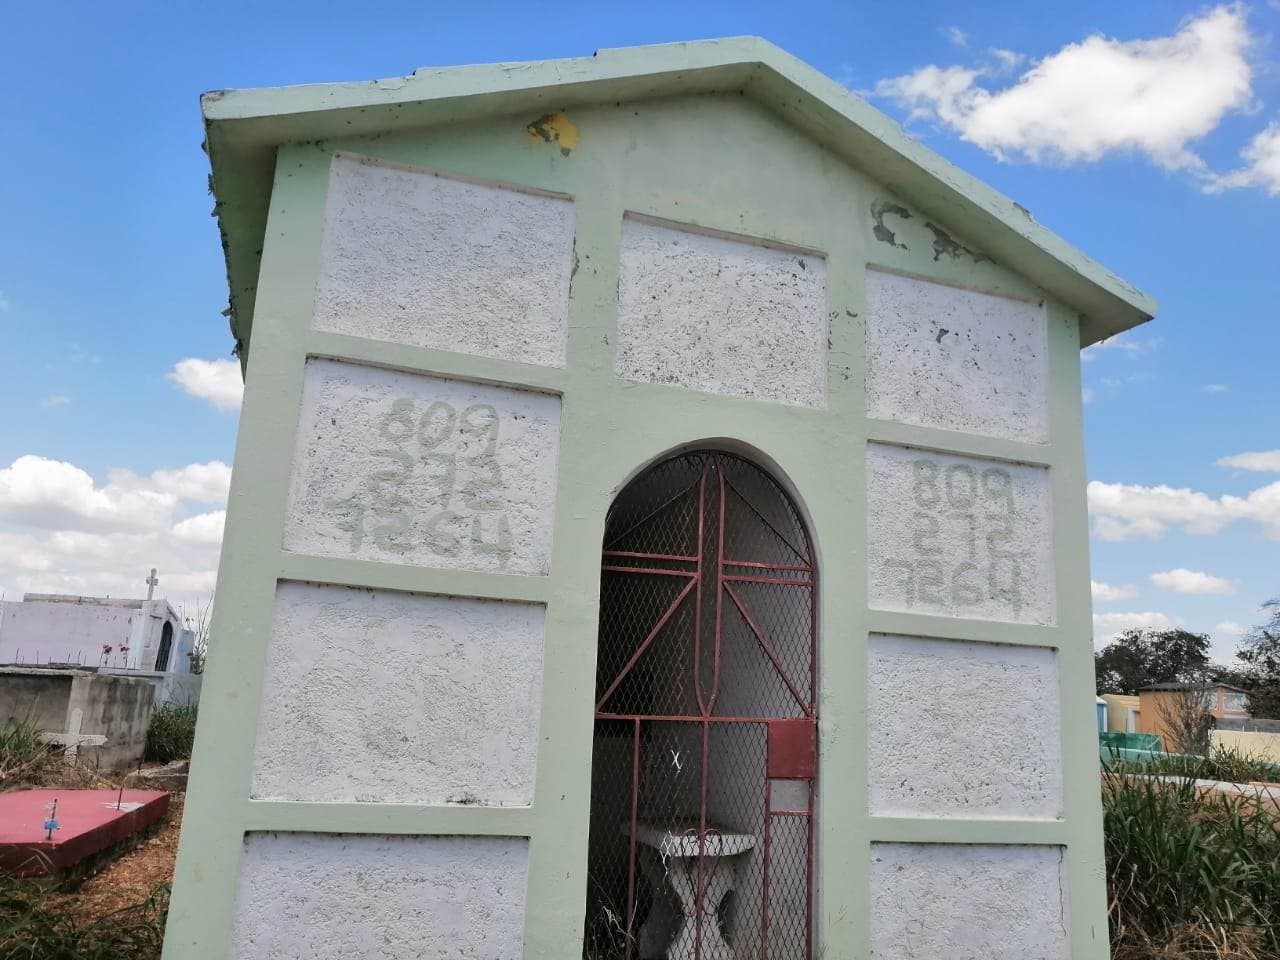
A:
555	128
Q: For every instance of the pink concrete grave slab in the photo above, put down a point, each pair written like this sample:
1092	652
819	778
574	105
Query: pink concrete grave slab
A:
88	823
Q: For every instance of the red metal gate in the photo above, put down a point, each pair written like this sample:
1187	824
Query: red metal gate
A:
704	759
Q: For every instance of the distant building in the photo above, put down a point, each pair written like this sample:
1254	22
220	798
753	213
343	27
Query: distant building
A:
111	634
1221	701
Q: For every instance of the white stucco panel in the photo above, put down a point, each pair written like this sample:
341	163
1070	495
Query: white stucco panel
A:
408	468
413	257
721	315
959	536
963	729
941	356
968	902
341	897
449	692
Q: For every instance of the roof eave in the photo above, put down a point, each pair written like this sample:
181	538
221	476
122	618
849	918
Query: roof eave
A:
244	128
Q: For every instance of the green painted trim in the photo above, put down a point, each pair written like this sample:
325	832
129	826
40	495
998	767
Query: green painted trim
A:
1086	865
961	444
958	830
244	128
406	578
395	356
204	888
387	818
960	628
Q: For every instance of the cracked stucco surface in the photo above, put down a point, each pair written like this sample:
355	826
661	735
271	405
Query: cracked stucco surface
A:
338	897
413	257
449	692
963	729
721	315
409	468
968	902
940	356
959	536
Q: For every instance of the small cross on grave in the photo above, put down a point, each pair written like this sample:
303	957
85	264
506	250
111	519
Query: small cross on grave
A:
73	739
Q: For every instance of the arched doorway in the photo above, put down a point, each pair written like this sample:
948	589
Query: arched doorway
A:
705	747
166	646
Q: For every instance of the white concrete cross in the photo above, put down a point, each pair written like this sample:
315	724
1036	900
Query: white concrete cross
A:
151	583
73	739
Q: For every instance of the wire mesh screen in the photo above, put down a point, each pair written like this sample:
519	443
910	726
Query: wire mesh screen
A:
701	834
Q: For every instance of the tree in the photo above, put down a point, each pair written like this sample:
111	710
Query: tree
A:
198	623
1260	653
1140	658
1185	718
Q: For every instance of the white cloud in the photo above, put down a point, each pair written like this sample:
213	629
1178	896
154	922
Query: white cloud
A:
1261	165
1098	96
1215	388
1183	580
1126	343
217	381
1087	395
955	36
1106	626
1123	511
1230	628
63	532
203	528
1262	461
1105	592
57	400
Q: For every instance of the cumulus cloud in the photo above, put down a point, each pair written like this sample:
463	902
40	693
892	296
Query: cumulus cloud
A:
1102	95
62	531
1106	593
203	528
955	36
1124	511
57	400
1261	165
1183	580
1229	628
217	381
1262	461
1107	626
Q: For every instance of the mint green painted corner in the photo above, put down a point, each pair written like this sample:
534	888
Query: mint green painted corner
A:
667	158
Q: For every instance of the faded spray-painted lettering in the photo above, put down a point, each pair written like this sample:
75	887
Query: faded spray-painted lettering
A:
455	455
417	469
958	536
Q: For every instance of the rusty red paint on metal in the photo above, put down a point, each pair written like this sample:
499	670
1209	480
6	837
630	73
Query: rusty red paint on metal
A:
706	690
793	749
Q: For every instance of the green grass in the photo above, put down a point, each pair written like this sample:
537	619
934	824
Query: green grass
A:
172	730
37	925
23	754
1190	875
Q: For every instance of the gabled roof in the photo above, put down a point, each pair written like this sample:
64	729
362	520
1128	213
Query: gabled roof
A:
244	128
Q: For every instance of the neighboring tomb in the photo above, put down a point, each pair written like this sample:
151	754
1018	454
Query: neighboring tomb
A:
658	530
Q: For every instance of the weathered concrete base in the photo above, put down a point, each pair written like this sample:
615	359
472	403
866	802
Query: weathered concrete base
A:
77	708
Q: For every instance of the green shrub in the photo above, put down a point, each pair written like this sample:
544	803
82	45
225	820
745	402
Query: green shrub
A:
1190	873
37	925
172	730
1223	763
23	753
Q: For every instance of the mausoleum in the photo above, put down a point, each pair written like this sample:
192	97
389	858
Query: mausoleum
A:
657	530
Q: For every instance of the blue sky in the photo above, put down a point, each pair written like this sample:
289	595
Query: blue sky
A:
1120	126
